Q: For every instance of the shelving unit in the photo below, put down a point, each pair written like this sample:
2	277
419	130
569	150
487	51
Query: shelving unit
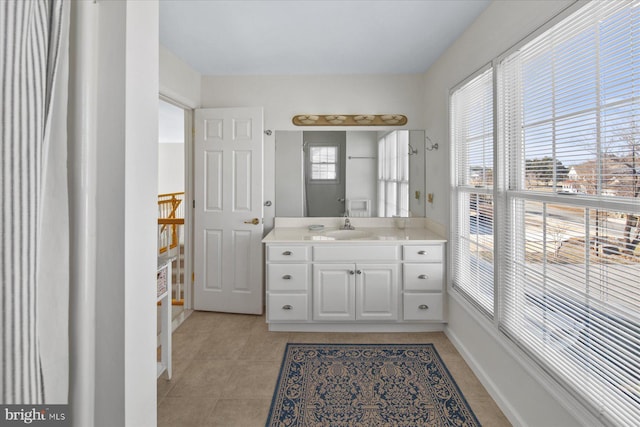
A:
164	298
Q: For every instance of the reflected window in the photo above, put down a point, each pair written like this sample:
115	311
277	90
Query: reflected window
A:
324	162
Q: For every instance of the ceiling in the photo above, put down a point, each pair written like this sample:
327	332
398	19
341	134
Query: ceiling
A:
312	37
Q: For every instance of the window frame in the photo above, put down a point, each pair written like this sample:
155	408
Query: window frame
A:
509	169
487	191
337	163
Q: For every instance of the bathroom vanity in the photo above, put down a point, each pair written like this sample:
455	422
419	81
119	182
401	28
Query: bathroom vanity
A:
376	277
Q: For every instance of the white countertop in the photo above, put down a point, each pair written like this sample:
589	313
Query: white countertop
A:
363	235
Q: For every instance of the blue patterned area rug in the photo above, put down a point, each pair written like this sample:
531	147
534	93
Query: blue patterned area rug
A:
353	385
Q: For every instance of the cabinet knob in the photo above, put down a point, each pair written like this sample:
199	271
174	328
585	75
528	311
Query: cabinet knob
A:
423	276
359	271
287	277
352	272
287	307
286	253
423	307
422	252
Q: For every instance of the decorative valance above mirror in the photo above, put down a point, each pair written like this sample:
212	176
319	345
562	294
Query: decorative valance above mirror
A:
350	120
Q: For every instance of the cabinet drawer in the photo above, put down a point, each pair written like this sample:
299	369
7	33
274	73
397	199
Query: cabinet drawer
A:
355	253
422	306
423	277
288	253
288	277
283	307
423	253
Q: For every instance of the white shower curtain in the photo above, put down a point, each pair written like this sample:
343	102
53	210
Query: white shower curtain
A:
34	223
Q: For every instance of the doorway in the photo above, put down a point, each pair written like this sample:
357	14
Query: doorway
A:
174	121
324	157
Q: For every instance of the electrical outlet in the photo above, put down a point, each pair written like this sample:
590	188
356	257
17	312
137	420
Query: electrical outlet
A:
430	197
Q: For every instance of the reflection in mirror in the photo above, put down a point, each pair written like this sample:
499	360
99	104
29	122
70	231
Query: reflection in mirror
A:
360	173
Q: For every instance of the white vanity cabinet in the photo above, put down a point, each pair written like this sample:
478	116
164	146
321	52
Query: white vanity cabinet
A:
288	283
355	292
383	284
423	282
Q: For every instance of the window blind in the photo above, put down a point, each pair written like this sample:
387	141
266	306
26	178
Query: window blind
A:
393	174
473	202
569	102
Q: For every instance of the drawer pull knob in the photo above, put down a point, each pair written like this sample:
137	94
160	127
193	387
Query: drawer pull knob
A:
359	271
423	276
287	307
422	252
352	272
286	253
423	307
287	277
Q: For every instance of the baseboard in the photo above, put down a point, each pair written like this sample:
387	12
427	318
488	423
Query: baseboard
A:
503	403
570	403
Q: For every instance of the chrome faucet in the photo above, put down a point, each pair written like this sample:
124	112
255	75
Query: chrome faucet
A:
347	223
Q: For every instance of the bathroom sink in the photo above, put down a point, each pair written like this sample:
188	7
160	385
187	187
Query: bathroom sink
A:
347	234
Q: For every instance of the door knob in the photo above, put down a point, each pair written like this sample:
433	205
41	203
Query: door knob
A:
254	221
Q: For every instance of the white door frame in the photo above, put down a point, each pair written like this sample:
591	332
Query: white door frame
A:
188	199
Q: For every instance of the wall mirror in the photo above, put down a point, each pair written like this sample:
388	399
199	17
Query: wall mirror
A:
361	173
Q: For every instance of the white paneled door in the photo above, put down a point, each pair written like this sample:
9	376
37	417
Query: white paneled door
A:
228	210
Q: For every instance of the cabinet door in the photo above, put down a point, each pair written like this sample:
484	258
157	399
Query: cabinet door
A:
376	291
334	292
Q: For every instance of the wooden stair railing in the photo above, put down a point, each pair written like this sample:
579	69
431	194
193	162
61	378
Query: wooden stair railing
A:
170	218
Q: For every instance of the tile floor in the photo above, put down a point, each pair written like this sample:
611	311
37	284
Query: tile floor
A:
225	367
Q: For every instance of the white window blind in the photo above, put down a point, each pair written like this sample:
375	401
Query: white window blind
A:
393	174
570	107
473	202
323	160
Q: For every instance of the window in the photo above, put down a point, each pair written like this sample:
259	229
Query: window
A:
393	174
472	136
571	295
323	161
561	198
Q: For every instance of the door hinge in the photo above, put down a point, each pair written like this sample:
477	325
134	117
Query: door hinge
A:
193	132
193	277
194	204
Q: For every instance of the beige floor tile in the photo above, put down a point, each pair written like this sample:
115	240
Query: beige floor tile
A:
487	412
252	380
222	345
184	411
186	346
264	347
178	368
239	413
203	378
200	322
226	367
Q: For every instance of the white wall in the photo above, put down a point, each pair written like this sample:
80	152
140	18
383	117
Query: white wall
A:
361	180
170	167
514	382
127	144
289	175
285	96
178	81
